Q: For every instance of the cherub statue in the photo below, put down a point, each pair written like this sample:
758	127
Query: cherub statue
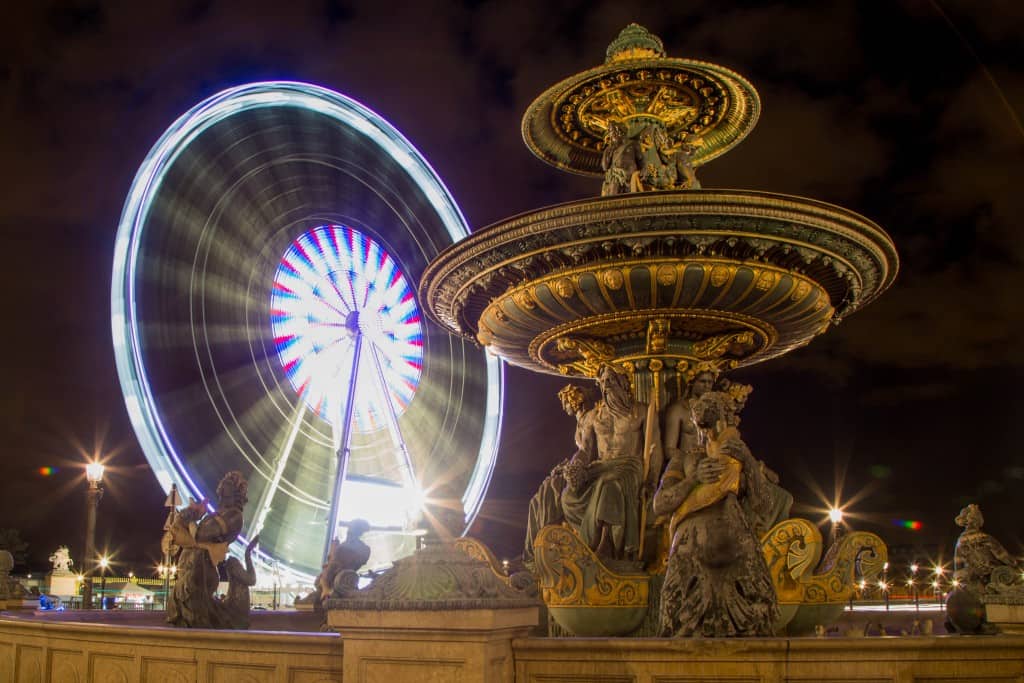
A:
240	580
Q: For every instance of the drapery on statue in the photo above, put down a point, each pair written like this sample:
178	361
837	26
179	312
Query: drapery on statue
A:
546	504
203	538
716	580
601	500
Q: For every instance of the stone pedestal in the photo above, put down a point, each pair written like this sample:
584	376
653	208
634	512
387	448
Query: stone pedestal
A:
63	585
1006	613
443	645
438	615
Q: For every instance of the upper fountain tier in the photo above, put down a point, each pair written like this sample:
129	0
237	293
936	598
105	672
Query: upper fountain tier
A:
637	86
657	275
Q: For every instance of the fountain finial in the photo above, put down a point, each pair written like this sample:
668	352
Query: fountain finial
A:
634	42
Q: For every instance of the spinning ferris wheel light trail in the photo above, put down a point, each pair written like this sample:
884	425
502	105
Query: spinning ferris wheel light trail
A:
264	319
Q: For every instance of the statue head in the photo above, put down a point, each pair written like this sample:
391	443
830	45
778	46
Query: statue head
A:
701	379
571	397
615	388
616	131
711	409
970	518
356	528
233	490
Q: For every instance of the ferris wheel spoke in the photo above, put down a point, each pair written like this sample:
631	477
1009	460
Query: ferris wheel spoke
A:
270	490
391	419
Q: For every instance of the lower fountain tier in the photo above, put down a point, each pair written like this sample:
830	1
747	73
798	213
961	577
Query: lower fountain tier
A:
731	276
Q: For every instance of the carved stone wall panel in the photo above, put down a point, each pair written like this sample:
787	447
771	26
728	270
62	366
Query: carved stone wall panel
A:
29	664
304	675
67	665
160	670
6	662
107	668
241	673
581	678
391	669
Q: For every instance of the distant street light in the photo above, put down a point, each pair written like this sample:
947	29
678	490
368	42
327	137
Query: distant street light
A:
104	563
94	474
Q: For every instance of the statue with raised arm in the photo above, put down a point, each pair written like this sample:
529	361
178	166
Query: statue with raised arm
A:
602	497
203	537
240	579
716	580
546	504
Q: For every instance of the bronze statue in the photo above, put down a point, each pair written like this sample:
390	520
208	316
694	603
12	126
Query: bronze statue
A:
619	160
979	559
546	504
602	498
203	538
774	503
345	558
716	580
680	431
240	579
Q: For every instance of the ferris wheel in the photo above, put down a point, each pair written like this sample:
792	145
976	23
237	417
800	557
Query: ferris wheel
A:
264	319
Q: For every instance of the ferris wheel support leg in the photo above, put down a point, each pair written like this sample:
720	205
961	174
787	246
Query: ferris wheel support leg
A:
343	448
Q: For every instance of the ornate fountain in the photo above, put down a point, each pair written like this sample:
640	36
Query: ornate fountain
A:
661	279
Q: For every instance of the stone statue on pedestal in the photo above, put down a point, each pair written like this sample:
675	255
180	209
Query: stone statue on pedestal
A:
716	580
339	574
61	560
986	573
203	538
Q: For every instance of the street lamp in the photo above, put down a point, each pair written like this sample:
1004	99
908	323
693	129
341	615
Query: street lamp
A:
104	563
835	515
94	474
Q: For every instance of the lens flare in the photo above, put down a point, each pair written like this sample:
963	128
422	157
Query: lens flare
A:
912	524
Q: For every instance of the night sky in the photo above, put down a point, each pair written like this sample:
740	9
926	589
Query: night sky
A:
906	112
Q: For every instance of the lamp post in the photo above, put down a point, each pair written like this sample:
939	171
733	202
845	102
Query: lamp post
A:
913	587
94	474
